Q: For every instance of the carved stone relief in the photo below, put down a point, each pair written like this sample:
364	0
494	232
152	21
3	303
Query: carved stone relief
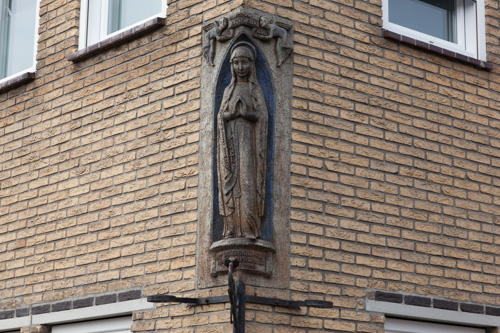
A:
262	27
245	148
212	36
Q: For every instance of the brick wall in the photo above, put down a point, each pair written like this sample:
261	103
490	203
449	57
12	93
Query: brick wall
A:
395	165
99	165
395	170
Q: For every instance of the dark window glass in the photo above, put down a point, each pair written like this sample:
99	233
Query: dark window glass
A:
433	17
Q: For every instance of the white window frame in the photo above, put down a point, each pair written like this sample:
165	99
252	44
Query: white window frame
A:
31	69
116	325
410	326
471	35
412	312
93	26
111	310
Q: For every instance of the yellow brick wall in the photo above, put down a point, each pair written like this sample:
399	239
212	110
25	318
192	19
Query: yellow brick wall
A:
395	169
99	164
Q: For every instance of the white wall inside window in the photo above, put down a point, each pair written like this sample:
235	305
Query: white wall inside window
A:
411	326
113	325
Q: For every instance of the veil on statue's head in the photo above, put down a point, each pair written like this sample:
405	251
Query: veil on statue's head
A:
243	49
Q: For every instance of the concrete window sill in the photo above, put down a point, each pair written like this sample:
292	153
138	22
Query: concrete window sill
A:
17	81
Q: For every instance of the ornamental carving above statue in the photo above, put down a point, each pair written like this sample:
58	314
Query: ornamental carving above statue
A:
244	55
262	28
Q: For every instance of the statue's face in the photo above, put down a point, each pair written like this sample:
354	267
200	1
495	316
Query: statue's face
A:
241	66
222	23
264	22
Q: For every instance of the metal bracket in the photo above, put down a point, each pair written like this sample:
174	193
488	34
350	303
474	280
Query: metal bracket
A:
238	298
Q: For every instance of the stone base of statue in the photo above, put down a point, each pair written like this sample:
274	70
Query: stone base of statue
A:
253	255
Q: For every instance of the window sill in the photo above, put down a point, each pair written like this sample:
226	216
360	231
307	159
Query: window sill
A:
17	81
120	38
439	50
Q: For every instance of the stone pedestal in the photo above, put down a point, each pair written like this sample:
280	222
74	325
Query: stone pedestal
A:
253	256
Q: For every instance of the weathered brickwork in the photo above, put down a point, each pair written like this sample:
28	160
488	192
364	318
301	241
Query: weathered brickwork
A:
395	171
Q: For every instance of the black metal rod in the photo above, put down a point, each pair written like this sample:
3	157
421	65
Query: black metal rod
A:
188	300
288	304
248	299
241	300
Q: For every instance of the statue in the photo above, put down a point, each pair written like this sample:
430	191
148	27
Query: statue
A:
242	147
213	35
283	49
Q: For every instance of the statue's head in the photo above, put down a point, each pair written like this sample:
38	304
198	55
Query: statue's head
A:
242	60
222	23
264	22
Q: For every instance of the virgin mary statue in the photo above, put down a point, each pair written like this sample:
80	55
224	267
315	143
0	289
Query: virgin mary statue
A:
242	147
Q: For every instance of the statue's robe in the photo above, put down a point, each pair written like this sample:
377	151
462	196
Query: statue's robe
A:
241	158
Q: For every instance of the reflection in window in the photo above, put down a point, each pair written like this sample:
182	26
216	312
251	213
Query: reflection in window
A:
101	19
436	18
124	13
17	36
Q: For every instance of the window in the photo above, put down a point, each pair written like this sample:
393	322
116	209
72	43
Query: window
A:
105	18
115	325
18	31
410	326
455	25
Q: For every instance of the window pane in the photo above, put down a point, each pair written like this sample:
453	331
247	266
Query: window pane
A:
17	35
124	13
433	17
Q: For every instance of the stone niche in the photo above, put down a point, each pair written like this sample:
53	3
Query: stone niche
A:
244	188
